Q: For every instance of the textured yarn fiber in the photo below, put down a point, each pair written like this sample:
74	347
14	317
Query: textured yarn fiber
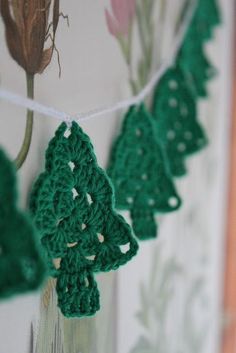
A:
192	57
175	114
73	207
196	67
21	265
206	18
140	174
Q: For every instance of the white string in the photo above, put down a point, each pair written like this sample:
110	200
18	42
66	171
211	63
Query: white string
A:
124	104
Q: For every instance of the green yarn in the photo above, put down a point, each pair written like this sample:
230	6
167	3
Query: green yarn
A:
140	175
196	67
21	266
175	97
175	114
73	207
205	19
192	58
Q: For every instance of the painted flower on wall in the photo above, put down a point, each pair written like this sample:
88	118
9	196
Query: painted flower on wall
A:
120	20
120	24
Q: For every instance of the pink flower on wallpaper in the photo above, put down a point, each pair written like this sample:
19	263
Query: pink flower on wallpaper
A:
119	21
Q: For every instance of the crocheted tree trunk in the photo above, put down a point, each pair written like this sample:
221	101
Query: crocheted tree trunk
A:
140	175
73	207
192	58
175	113
21	265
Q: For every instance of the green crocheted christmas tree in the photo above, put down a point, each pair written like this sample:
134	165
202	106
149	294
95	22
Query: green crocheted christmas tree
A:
175	113
73	207
21	266
192	58
140	175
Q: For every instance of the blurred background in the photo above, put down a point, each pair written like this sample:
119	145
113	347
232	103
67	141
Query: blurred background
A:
179	294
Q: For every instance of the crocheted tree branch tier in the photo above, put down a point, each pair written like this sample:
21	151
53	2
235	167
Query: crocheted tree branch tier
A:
73	207
196	67
21	265
205	19
139	171
192	58
175	114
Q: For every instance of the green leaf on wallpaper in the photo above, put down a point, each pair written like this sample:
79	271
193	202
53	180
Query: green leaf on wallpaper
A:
155	264
143	346
195	338
156	300
142	315
144	12
165	289
156	296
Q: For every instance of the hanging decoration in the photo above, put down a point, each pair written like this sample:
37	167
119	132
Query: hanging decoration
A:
22	268
138	163
73	208
141	179
175	115
177	131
